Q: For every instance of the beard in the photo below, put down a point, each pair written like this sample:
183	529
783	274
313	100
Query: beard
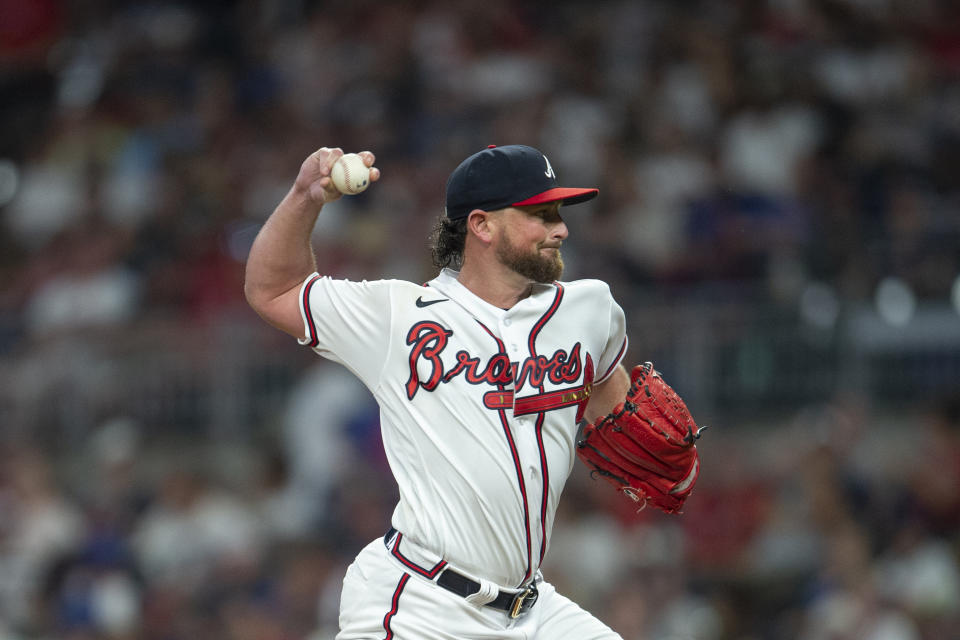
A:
530	264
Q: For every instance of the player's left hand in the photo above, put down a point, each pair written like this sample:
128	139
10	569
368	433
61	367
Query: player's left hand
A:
314	178
645	446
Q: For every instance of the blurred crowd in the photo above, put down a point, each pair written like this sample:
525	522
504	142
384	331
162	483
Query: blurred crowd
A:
775	147
833	524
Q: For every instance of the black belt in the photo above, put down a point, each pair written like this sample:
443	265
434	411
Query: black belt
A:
515	604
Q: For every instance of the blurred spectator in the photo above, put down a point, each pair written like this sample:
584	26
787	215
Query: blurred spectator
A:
92	288
317	439
934	475
40	524
193	531
848	603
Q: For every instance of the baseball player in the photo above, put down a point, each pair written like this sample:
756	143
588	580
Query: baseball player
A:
482	376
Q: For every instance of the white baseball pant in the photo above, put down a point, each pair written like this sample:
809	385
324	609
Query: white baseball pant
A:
382	599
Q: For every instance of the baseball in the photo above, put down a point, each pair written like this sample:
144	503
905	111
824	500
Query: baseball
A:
350	176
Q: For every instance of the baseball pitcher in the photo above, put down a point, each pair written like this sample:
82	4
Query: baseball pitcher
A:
483	376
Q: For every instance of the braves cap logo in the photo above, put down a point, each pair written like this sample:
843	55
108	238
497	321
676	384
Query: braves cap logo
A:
549	172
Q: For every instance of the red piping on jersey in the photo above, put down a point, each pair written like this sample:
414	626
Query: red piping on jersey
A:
546	488
410	564
394	606
616	360
531	341
544	471
311	325
516	465
523	490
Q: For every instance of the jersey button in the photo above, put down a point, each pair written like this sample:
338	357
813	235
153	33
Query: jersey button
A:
506	322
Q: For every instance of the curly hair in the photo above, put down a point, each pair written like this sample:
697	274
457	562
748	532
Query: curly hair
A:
446	242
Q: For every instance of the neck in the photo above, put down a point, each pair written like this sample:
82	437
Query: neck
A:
494	283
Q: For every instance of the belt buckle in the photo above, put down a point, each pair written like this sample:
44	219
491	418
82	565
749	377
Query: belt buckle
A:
518	600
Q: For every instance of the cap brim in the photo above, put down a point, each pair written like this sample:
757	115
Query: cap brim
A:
567	195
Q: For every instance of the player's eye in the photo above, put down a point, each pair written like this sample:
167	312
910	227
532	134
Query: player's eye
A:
550	214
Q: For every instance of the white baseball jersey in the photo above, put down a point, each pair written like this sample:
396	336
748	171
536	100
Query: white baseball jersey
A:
478	405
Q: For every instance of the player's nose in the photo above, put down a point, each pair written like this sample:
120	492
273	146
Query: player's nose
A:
559	230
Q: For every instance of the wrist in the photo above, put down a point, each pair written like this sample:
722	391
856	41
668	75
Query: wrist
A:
300	197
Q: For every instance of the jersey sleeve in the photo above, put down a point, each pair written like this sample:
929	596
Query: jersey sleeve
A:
348	322
616	344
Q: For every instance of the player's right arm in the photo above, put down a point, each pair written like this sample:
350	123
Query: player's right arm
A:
282	256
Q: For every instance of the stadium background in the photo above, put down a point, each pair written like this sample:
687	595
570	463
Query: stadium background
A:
779	215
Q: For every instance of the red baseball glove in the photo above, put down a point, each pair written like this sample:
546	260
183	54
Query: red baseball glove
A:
645	447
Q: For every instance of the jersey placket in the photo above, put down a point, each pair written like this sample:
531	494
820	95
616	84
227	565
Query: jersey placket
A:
524	428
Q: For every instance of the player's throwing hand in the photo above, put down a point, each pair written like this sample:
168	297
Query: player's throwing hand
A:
314	179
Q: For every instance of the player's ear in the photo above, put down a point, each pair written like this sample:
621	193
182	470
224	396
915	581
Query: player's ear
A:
480	223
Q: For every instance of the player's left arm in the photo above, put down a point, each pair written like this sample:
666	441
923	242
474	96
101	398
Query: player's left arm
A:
608	394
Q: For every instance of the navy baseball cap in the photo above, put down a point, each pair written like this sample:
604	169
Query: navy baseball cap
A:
508	176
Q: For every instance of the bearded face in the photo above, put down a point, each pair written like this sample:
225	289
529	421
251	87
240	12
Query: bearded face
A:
536	263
